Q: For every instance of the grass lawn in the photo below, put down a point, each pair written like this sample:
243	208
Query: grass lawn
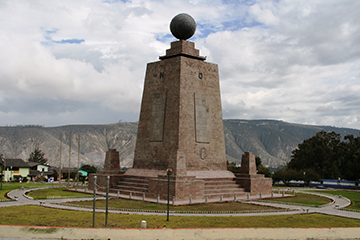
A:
44	193
7	187
303	199
354	196
41	216
132	204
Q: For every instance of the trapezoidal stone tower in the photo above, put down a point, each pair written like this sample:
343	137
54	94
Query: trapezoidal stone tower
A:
181	127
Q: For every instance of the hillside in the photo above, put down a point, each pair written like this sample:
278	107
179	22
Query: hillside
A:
272	140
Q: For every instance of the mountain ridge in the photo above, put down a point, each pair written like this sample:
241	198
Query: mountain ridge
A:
271	140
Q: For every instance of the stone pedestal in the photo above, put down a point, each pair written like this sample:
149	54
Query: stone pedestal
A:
111	168
249	179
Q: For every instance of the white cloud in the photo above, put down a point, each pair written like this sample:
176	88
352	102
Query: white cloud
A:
292	60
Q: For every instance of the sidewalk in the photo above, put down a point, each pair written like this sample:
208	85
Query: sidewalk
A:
21	232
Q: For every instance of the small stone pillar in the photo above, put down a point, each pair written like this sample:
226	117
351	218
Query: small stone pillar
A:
248	164
112	161
249	179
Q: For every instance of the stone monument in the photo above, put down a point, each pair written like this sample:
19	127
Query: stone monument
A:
111	168
181	128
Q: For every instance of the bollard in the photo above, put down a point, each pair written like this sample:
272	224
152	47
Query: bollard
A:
158	198
130	195
118	194
143	224
190	199
279	191
248	196
206	199
221	198
283	193
143	198
260	195
173	201
235	196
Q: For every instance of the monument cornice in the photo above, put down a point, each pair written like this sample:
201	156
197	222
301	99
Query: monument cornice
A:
182	55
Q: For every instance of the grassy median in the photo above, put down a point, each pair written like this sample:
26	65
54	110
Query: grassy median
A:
41	216
56	193
302	199
354	196
132	204
7	187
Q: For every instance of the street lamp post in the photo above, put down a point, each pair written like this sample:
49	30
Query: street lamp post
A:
94	201
107	201
2	170
168	193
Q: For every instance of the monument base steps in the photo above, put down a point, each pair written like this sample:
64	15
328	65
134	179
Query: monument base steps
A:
181	187
255	184
136	185
215	188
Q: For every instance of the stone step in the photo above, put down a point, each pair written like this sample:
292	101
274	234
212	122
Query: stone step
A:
232	185
121	183
224	190
225	195
220	182
127	192
134	179
131	188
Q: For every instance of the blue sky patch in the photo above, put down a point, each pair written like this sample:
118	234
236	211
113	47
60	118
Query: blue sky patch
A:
114	1
49	39
164	37
71	41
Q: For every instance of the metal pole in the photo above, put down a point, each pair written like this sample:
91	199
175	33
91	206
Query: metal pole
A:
69	161
107	201
95	177
60	161
78	174
168	194
2	170
4	167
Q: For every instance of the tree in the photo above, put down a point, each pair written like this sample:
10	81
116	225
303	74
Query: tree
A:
258	161
349	162
89	168
264	170
261	169
231	166
319	153
310	175
286	175
37	156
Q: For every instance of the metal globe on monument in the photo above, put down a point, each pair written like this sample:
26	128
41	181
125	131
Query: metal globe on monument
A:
183	26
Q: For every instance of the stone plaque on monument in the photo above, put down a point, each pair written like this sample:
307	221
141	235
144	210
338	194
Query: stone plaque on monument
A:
157	117
201	118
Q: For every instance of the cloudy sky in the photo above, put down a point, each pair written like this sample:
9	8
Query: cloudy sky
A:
83	62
